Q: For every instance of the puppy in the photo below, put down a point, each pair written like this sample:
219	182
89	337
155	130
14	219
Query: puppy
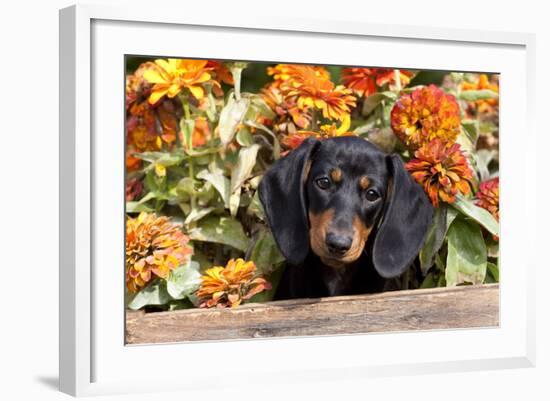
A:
345	215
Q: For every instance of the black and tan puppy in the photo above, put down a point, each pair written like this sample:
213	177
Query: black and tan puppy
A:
345	215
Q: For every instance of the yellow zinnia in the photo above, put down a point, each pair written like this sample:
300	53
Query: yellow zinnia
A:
169	77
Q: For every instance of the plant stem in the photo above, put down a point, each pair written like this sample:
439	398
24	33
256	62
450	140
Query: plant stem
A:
189	143
186	111
237	72
397	77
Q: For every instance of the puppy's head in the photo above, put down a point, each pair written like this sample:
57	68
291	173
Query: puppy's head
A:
346	187
330	197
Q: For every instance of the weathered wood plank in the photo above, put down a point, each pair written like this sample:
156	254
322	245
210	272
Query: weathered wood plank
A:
429	309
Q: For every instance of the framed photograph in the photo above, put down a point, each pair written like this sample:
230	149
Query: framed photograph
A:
275	187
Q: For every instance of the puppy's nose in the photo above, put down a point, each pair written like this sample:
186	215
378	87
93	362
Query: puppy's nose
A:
338	244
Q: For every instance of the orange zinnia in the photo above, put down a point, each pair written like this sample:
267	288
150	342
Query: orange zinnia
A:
442	171
488	196
310	87
221	74
230	285
284	72
425	114
148	127
289	117
154	247
364	81
292	141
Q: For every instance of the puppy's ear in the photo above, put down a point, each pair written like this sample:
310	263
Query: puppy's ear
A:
282	193
408	214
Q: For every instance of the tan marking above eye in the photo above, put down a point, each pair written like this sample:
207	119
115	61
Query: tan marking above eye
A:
364	182
336	175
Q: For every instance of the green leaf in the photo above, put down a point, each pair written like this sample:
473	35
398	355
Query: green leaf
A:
483	158
471	127
429	281
164	158
184	280
467	254
265	253
477	213
245	164
137	207
492	273
473	95
221	230
220	182
186	187
434	238
244	137
372	101
276	143
256	207
465	142
197	214
154	294
230	117
234	201
451	215
427	77
258	106
180	304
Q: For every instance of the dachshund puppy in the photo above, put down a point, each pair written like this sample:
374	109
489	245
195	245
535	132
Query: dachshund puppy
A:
345	215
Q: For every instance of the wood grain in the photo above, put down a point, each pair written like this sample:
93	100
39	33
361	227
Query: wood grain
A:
428	309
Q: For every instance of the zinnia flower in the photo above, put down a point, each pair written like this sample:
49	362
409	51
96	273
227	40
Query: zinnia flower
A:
442	171
289	117
425	114
482	105
364	81
488	197
170	77
137	87
220	74
148	127
387	76
230	285
284	72
311	88
292	141
154	247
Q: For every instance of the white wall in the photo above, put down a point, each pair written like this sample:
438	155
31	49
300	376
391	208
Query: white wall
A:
29	187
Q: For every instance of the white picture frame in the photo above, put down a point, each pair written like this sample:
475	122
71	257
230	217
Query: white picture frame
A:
93	358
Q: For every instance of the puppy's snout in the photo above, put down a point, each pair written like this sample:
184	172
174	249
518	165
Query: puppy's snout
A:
338	244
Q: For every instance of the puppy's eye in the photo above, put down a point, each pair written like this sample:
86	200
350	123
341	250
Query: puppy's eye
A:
372	195
323	182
